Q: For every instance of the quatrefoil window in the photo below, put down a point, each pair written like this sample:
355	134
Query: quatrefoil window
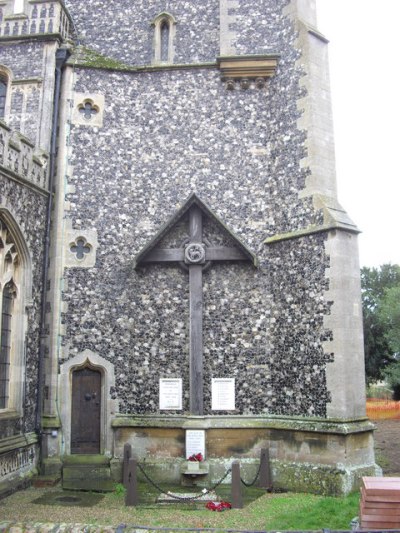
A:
80	248
88	109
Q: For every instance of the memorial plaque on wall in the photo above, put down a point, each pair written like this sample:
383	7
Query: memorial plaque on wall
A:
195	442
223	394
170	394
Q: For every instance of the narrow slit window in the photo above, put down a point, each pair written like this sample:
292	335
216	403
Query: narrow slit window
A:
164	34
164	41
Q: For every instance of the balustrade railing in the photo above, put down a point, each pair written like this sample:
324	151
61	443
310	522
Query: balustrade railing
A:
19	155
38	18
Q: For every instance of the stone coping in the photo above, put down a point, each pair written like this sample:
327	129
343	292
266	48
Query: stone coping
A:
314	425
18	441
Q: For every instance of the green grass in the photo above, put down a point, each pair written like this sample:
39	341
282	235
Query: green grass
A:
262	511
311	512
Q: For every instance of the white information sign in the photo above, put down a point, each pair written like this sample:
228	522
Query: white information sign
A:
170	394
195	442
223	394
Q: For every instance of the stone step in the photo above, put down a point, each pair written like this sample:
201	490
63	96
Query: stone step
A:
84	459
87	472
95	485
46	481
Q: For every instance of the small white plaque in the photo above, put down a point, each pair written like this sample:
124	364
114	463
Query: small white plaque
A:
223	394
195	442
170	394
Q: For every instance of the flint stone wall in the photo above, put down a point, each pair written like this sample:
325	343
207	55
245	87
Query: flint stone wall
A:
24	59
123	30
166	135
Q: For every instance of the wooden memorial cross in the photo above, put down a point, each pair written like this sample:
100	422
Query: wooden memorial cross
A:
195	255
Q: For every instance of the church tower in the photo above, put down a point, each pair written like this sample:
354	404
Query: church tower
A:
200	278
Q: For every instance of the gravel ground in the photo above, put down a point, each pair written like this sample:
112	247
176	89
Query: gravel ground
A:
387	438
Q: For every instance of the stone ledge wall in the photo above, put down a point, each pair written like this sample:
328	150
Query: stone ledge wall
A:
17	466
18	155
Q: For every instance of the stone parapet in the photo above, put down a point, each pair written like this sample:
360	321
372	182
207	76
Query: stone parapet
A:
18	461
20	159
39	18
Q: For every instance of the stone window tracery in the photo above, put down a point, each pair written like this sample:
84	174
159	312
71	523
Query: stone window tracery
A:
164	36
88	109
80	248
9	276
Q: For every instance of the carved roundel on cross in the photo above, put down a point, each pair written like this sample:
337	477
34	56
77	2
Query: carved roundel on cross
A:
195	253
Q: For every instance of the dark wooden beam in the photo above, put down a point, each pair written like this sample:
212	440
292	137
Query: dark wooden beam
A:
222	253
164	255
196	339
195	225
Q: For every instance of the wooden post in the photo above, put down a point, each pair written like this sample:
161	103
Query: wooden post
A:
196	317
196	339
132	496
237	498
265	479
127	456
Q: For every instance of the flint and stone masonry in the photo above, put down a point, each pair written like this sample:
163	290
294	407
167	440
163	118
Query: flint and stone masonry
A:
195	234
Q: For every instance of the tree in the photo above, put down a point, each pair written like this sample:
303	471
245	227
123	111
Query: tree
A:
379	335
389	316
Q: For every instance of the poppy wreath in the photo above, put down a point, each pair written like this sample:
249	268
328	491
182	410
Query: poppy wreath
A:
221	506
196	457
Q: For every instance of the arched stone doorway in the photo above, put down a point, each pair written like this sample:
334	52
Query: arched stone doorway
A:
74	375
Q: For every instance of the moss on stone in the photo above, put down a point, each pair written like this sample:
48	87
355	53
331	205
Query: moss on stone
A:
83	459
88	57
319	479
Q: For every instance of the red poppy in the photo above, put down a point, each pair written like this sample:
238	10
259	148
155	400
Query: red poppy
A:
197	457
218	506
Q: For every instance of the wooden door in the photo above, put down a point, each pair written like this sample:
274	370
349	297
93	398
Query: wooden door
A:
86	411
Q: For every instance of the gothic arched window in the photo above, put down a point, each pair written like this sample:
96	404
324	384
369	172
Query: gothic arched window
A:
13	301
8	274
164	34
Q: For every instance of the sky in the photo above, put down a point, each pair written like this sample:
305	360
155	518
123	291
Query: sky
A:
364	50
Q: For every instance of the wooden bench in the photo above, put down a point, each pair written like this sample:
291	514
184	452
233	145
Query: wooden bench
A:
380	503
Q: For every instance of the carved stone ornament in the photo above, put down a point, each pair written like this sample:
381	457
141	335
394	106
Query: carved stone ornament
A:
195	254
248	70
